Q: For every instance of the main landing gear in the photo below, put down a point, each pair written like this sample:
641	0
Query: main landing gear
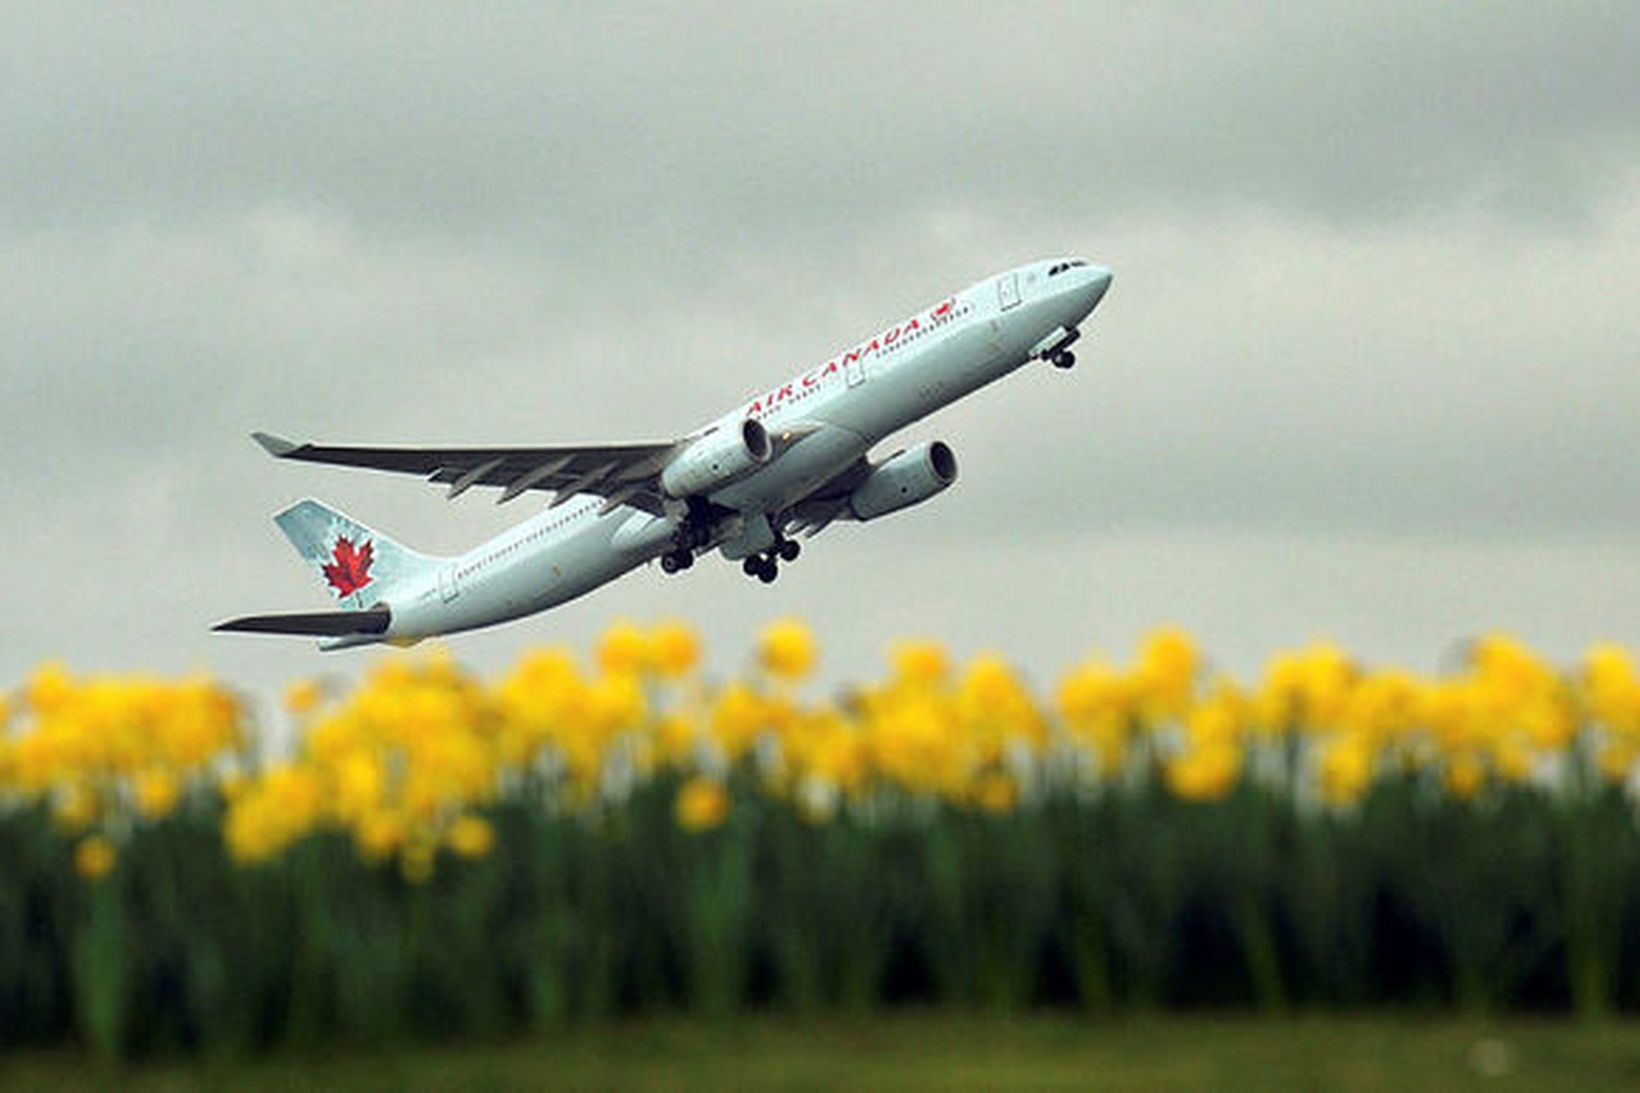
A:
766	566
693	534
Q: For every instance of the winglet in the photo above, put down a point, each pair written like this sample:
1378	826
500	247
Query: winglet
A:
275	445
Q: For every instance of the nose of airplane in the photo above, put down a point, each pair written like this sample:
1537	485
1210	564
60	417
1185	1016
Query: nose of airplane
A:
1096	283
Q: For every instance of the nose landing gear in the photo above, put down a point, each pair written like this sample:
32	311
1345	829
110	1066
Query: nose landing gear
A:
1060	355
674	561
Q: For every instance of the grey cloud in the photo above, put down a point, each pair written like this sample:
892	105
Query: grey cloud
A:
1374	269
733	132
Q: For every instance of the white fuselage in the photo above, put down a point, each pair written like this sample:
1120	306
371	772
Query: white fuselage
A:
837	411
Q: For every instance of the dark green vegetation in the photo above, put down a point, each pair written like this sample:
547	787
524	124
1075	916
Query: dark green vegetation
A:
939	1051
1120	903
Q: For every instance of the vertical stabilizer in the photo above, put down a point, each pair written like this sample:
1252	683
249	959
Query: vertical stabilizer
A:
359	566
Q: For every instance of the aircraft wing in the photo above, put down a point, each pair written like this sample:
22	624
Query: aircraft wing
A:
623	474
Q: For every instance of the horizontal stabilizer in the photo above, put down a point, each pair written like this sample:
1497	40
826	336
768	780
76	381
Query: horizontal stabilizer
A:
323	624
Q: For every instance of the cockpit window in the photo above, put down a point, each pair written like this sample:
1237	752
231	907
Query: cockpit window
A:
1060	267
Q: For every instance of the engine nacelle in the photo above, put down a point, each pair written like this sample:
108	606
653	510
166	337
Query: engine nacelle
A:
717	459
903	480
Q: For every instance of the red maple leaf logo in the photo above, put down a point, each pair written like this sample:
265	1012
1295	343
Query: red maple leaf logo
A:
350	569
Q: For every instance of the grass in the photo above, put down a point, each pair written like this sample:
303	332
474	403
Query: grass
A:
930	1050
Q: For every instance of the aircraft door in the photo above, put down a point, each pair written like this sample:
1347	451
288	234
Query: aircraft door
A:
855	371
1008	290
447	587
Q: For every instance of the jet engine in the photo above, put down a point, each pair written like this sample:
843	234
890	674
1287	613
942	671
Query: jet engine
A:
717	459
904	479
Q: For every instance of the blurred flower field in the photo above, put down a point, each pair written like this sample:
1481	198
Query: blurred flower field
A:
445	854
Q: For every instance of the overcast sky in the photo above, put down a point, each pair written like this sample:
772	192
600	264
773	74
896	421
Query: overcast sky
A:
1369	367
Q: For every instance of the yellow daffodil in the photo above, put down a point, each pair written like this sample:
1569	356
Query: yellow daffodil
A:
303	696
94	857
1345	769
471	837
404	763
1207	772
624	649
674	650
702	804
1465	775
786	650
996	793
156	791
920	663
1166	673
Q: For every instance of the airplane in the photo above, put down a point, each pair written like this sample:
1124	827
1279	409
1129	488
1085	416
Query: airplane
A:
791	461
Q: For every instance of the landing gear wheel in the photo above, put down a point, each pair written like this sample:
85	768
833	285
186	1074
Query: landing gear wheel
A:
752	566
768	571
686	558
1064	359
789	550
669	563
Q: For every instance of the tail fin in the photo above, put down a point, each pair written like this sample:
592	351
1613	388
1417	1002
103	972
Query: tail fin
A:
359	566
